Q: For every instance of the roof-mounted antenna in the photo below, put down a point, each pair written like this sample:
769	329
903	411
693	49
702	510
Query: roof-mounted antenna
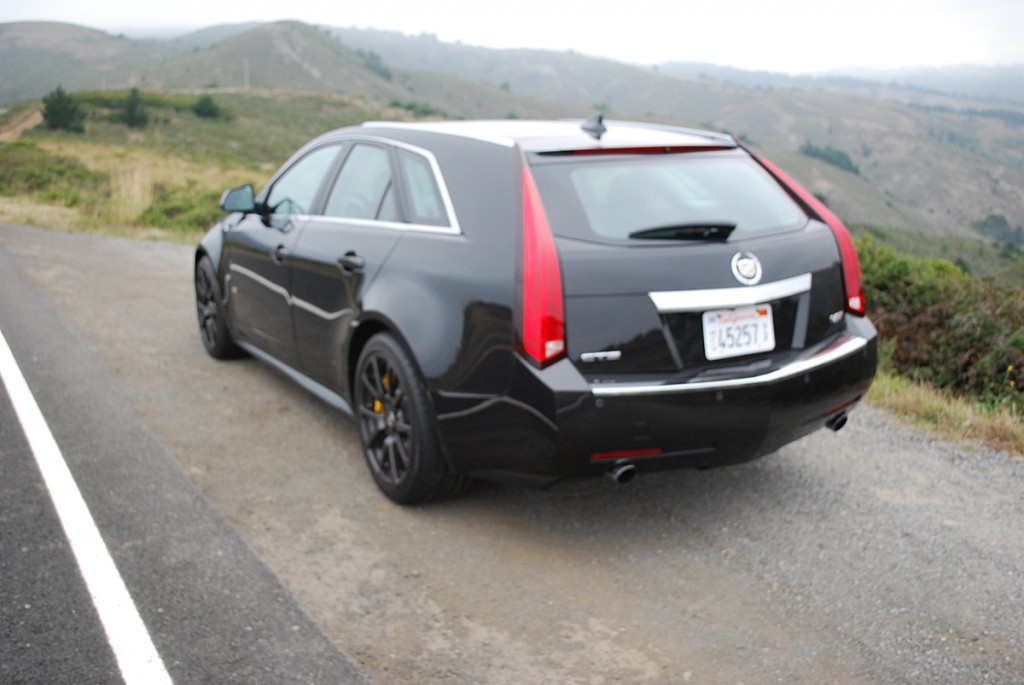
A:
594	126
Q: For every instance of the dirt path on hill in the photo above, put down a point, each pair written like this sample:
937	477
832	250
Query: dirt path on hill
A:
12	131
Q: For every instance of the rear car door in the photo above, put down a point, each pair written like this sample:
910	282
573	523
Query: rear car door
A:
257	250
340	252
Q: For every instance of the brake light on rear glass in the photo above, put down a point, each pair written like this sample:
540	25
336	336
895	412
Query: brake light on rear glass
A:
852	277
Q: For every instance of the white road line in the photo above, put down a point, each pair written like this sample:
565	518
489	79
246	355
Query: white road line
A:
133	648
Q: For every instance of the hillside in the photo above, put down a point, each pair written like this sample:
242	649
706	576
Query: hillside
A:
926	164
934	169
996	84
282	55
992	86
35	57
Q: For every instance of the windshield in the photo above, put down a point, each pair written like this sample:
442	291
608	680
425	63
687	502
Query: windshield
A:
622	199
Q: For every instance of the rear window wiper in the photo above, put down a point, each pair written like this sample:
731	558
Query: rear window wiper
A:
695	231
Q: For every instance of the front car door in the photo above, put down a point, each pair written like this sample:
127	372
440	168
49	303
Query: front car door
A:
257	251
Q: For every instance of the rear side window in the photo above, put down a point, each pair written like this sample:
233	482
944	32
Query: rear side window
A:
607	199
425	201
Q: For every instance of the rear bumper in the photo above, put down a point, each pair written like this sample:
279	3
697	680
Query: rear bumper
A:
554	424
845	346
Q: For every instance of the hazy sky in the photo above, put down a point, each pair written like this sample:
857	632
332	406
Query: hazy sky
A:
798	36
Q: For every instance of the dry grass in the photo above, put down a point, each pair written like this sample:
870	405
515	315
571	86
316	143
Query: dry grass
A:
948	417
135	174
132	189
156	167
18	210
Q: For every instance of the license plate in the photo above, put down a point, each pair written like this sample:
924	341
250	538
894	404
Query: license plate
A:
736	332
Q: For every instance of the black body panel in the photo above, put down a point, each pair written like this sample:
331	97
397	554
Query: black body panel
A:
635	385
553	425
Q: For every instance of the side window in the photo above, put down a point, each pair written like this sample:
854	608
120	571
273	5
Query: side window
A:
424	197
364	188
295	191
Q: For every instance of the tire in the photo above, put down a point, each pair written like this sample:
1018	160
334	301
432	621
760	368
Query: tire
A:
213	327
396	426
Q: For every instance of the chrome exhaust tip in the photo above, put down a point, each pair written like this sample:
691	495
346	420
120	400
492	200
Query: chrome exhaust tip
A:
836	423
622	473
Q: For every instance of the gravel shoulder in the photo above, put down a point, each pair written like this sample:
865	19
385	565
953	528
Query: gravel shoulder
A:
871	555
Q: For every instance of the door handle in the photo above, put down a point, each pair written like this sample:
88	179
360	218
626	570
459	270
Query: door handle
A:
278	255
351	263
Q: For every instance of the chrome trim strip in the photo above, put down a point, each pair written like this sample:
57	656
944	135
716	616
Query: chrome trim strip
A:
672	302
266	283
390	225
840	349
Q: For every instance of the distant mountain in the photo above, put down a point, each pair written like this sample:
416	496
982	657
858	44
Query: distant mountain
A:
280	55
926	160
596	83
994	84
928	86
36	57
204	38
991	85
939	164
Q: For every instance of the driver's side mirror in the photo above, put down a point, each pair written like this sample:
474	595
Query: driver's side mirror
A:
240	199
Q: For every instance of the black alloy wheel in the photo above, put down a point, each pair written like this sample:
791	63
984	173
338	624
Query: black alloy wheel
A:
213	329
396	426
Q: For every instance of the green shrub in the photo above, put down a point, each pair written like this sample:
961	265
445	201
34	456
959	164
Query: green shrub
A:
946	327
61	111
830	155
134	113
116	99
206	108
182	209
419	109
996	226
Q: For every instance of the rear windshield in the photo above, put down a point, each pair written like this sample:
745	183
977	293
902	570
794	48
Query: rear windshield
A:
609	198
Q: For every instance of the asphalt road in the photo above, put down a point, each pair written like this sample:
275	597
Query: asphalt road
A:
215	613
255	543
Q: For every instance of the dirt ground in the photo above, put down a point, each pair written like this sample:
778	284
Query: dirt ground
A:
871	555
29	119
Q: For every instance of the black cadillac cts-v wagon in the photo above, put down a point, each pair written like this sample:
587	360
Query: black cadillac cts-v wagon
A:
530	301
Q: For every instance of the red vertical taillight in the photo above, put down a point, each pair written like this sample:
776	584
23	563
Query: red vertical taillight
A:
852	277
542	323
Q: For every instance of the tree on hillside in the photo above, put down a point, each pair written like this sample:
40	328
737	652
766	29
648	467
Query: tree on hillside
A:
996	226
135	115
373	62
830	155
61	111
205	107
